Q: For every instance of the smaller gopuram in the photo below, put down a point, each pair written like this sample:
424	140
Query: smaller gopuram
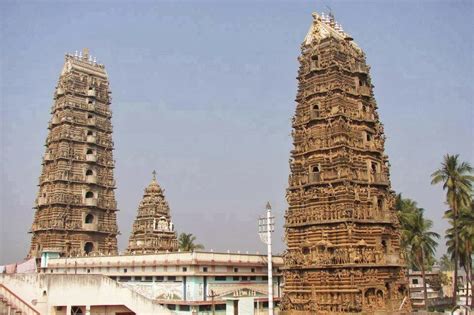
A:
153	230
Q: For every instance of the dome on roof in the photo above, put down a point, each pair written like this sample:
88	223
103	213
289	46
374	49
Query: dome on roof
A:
153	187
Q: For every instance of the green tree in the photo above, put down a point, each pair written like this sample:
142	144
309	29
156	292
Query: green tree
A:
457	181
187	243
466	243
421	243
446	263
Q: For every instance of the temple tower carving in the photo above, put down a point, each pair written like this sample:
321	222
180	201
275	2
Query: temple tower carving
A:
341	228
75	207
153	231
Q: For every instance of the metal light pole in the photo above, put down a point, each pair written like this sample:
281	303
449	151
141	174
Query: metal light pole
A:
266	225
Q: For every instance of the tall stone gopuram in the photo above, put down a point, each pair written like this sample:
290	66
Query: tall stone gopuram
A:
342	231
76	208
153	231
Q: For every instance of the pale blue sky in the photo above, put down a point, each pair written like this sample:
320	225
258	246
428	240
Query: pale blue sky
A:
203	92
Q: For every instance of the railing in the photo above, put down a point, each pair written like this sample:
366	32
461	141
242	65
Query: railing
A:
16	302
380	178
90	202
91	139
91	179
315	114
315	177
90	226
91	93
91	158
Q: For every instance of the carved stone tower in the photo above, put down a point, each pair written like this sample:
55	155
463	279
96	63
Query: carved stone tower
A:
153	230
76	207
342	231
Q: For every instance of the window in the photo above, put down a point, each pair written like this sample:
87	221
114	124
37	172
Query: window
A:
90	151
264	278
204	269
185	269
88	271
253	278
148	279
90	133
184	308
380	204
235	278
236	269
220	307
89	194
160	278
204	308
245	278
88	247
414	281
171	278
125	279
374	167
89	219
90	116
171	307
252	270
89	172
124	270
220	278
315	169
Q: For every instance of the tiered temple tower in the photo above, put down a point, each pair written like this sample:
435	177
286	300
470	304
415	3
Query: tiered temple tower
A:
76	207
342	230
153	230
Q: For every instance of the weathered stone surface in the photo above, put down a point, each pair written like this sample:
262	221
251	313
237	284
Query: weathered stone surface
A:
153	230
76	208
342	231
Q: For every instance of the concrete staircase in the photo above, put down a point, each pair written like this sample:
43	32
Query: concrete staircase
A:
51	294
11	304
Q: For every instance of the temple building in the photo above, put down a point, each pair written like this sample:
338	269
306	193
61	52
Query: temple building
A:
341	229
153	230
75	207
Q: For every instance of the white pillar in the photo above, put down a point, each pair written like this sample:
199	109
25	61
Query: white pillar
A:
88	310
68	310
269	258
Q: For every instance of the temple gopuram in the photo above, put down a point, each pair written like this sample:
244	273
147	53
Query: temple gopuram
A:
342	231
75	207
153	230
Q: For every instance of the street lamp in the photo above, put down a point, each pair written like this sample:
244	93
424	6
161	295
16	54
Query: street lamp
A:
266	225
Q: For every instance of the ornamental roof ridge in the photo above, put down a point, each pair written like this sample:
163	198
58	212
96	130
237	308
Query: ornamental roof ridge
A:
325	25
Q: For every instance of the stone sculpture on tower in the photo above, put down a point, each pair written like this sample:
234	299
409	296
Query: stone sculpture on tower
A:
153	231
342	231
76	208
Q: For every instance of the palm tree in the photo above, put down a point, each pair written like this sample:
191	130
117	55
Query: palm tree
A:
446	263
407	208
457	181
186	243
466	243
421	243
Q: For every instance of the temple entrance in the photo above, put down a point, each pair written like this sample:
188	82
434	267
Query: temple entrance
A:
236	307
